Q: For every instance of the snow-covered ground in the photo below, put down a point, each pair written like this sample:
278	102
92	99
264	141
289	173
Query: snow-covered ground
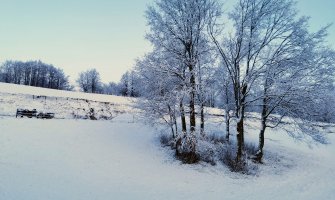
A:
65	104
67	159
37	91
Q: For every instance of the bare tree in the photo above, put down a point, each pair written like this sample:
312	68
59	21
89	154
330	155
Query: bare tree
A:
179	28
266	33
294	86
34	73
226	94
129	84
89	81
257	23
163	90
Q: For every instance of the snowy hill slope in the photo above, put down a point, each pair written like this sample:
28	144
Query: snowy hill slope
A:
64	104
37	91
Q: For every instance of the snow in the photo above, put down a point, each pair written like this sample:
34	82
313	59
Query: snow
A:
121	159
37	91
65	104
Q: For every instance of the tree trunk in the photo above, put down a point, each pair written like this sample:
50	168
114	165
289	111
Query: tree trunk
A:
227	120
240	138
237	105
240	125
202	103
192	102
172	131
202	120
180	137
259	155
227	117
175	124
171	123
182	116
190	156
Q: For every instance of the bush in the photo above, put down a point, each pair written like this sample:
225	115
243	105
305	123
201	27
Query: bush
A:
211	149
244	165
188	157
250	149
186	149
216	139
206	152
91	114
166	140
229	159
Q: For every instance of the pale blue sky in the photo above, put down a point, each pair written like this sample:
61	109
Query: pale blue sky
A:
105	34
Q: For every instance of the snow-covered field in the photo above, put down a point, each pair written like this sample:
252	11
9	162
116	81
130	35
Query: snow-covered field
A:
68	159
65	104
22	89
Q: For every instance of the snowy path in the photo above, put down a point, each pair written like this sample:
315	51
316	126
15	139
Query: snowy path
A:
101	160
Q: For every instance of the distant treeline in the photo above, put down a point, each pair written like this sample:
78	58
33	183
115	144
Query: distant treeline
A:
39	74
34	73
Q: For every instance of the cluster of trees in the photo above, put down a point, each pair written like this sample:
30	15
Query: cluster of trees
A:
129	86
39	74
34	73
90	82
259	57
